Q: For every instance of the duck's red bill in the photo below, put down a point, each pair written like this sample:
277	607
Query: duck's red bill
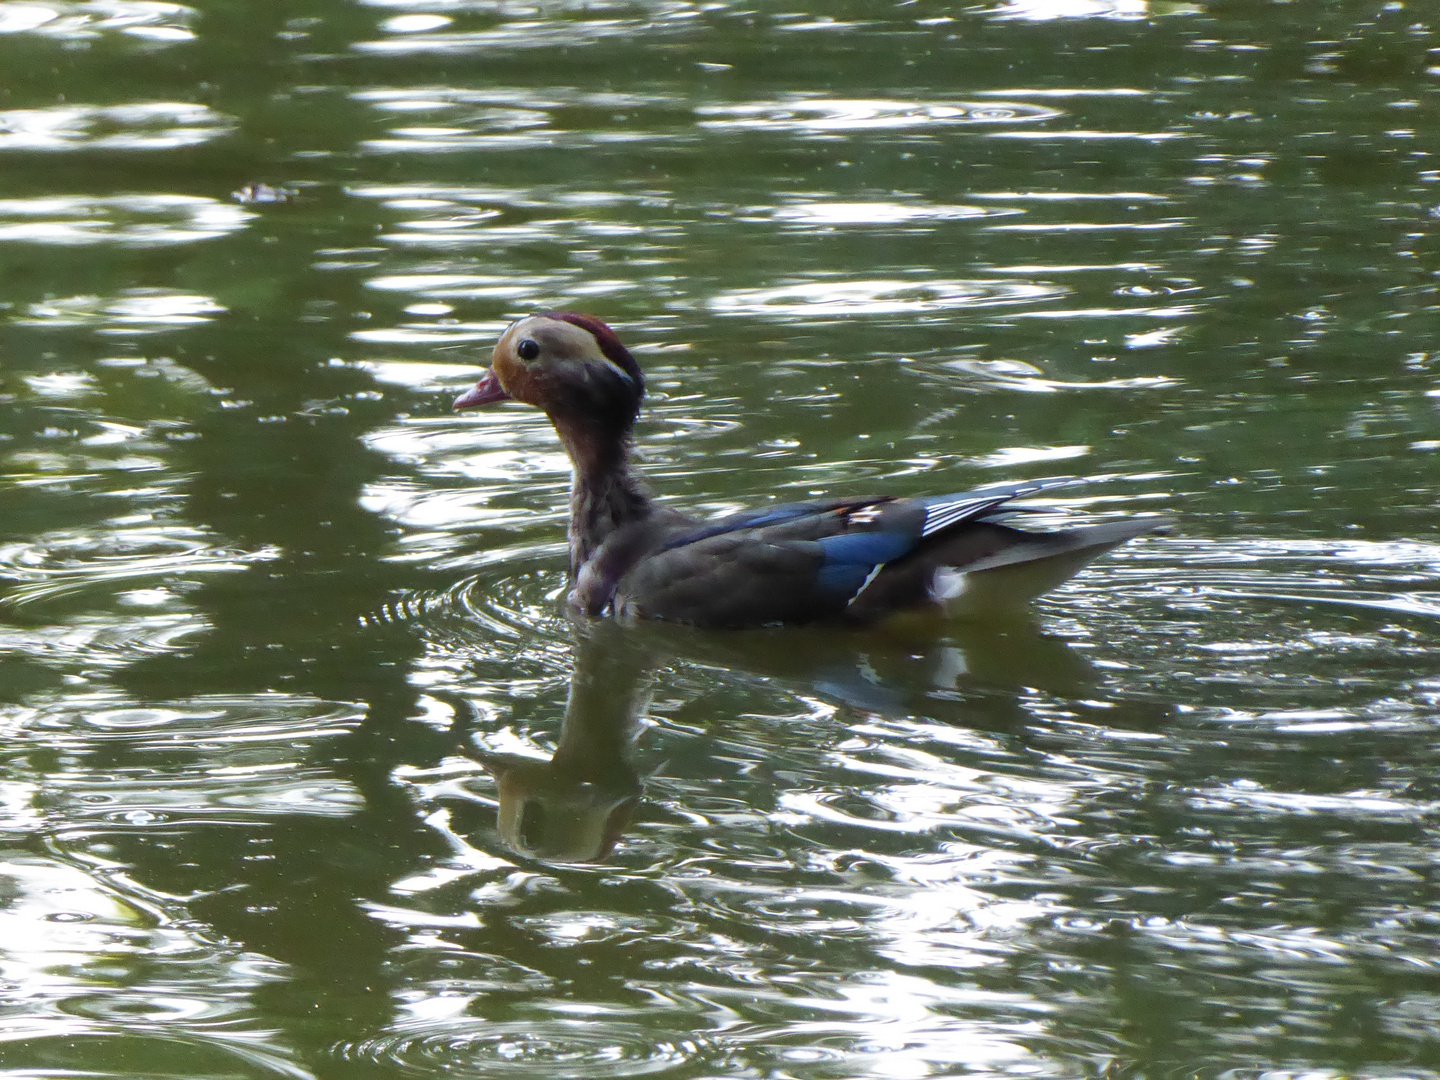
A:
483	392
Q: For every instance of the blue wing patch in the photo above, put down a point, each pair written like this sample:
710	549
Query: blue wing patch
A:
843	579
865	548
853	559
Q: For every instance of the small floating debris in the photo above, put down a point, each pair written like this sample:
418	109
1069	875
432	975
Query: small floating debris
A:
263	193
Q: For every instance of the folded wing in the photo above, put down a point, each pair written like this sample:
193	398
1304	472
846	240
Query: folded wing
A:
850	560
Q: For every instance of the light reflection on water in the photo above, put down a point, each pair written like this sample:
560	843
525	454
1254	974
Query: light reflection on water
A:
134	311
58	564
823	211
819	116
828	299
145	20
996	812
65	1009
1037	10
157	125
127	220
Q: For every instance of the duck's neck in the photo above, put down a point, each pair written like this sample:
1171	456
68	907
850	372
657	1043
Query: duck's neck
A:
605	492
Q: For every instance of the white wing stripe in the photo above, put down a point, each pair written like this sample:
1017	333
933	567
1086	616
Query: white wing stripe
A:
941	515
866	583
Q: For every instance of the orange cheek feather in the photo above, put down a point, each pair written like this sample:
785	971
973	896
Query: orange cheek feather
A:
518	382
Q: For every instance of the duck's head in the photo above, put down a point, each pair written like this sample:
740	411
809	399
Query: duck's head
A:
570	365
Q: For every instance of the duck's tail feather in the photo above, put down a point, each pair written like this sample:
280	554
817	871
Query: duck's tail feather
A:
1012	577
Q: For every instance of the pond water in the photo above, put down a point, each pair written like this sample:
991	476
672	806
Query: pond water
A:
306	773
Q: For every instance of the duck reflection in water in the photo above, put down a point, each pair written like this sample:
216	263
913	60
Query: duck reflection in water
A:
575	807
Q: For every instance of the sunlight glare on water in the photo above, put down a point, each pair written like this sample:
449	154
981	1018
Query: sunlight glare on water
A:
155	125
132	220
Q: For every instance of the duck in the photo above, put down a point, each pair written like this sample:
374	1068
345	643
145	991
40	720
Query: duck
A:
846	560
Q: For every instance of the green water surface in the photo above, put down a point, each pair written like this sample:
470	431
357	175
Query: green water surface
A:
305	773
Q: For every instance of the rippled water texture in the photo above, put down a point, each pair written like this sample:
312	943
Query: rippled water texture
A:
305	772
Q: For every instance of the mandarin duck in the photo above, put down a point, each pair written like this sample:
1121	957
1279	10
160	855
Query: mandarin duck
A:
846	560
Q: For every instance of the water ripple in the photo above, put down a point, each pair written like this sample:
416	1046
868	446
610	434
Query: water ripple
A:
511	616
69	1047
213	759
1019	375
257	787
506	38
560	1047
138	221
829	116
101	641
496	483
228	728
67	562
158	125
133	311
1246	797
1126	10
446	119
1382	575
85	20
839	298
819	212
82	985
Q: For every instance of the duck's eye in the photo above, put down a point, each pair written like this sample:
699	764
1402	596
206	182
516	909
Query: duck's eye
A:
528	349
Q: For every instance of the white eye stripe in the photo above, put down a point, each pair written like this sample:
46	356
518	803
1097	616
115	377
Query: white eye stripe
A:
617	368
586	367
